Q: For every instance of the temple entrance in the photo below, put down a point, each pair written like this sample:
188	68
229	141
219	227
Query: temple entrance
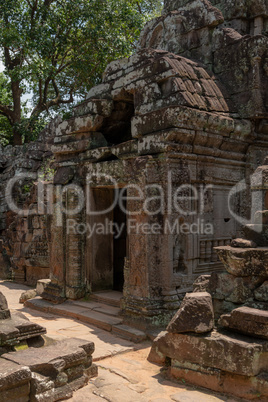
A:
107	245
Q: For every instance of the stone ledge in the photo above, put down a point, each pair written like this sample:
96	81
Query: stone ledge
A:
239	355
12	375
17	328
249	321
252	388
244	261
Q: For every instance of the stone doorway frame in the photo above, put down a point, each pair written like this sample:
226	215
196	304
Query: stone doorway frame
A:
99	249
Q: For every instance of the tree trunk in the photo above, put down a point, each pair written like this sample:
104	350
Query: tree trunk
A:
17	138
16	94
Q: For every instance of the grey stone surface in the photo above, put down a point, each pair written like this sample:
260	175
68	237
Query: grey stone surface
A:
245	262
65	354
54	371
29	294
195	314
243	243
248	321
261	293
14	381
4	311
232	354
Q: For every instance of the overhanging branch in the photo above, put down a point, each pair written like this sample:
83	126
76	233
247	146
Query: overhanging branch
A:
6	111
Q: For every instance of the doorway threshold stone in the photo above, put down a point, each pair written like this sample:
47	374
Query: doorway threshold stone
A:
110	297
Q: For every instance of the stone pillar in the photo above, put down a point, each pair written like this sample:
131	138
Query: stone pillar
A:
56	290
257	100
75	245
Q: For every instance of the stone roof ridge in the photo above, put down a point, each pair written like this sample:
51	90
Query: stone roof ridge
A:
230	9
188	5
195	15
176	80
144	57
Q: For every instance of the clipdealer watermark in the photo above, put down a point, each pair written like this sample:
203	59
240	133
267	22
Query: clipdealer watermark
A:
133	227
172	203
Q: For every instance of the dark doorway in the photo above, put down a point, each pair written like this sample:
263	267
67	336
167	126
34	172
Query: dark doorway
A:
119	246
106	250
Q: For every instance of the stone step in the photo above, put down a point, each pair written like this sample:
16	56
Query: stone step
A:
99	320
39	304
99	315
86	315
127	332
110	297
101	308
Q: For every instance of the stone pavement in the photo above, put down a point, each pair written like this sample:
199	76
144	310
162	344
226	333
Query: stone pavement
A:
59	327
124	372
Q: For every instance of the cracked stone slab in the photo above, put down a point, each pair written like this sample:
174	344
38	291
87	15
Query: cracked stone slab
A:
62	355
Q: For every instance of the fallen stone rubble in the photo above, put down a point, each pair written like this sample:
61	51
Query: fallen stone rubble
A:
229	354
50	373
39	373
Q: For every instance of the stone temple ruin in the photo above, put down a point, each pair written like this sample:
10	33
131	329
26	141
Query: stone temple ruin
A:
218	338
188	108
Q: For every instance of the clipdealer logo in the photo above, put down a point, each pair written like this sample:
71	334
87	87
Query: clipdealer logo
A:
171	202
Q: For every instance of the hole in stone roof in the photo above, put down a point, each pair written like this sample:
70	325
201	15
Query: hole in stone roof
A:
117	128
109	158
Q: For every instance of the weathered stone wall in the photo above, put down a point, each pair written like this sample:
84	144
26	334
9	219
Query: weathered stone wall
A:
237	55
23	235
218	337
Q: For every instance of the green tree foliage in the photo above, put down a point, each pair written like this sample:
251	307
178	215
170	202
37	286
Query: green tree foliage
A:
57	49
6	132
